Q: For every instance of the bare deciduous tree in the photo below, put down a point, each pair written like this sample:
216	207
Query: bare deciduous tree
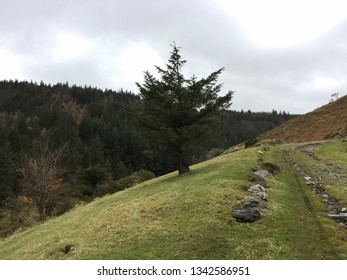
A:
41	175
334	97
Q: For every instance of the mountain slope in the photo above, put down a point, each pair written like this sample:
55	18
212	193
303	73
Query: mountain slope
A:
189	217
325	122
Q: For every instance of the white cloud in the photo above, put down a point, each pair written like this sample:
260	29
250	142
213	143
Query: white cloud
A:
132	61
273	23
327	83
67	46
9	66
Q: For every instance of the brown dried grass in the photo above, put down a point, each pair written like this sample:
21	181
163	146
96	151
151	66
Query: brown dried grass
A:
323	123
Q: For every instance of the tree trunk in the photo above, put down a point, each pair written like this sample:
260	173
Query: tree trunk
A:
94	190
183	167
42	209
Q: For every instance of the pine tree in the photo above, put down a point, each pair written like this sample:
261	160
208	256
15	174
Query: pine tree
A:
175	111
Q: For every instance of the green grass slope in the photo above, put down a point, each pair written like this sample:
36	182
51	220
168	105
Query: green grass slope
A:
189	217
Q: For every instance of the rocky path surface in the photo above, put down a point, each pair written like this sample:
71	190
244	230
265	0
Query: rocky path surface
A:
285	198
330	173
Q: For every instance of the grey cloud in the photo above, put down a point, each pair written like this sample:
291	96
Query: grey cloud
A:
263	78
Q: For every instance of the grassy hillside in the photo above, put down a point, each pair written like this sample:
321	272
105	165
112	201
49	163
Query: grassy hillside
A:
325	122
189	217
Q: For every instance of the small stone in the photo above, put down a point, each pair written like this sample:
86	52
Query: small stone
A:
67	248
344	210
256	188
308	181
263	196
254	179
262	173
261	153
251	201
341	217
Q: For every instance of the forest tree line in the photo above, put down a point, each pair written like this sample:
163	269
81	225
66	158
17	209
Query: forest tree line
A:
102	149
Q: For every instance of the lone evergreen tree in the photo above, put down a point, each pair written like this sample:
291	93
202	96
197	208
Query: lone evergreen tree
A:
175	111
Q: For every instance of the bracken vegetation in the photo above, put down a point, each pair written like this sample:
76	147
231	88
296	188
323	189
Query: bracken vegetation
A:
324	123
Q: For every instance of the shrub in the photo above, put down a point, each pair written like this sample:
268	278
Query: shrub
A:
60	202
126	182
251	142
15	216
144	175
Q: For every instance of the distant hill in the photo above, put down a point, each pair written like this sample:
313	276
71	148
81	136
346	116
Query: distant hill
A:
96	130
326	122
96	126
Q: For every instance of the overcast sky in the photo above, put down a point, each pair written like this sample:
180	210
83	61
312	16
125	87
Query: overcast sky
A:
283	55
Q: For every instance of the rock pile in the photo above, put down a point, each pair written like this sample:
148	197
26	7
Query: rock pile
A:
253	206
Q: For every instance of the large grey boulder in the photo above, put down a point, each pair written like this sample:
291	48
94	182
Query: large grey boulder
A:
249	211
244	214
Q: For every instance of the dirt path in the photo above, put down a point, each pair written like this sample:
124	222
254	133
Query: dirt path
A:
328	173
313	234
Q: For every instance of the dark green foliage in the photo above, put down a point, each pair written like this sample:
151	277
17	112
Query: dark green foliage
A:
251	142
8	168
14	215
238	127
94	126
127	182
61	201
86	129
93	175
176	112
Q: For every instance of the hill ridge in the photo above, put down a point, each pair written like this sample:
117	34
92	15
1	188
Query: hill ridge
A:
326	122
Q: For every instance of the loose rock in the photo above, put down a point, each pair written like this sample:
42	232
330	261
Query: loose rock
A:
249	211
263	196
341	217
251	201
256	188
262	173
244	214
